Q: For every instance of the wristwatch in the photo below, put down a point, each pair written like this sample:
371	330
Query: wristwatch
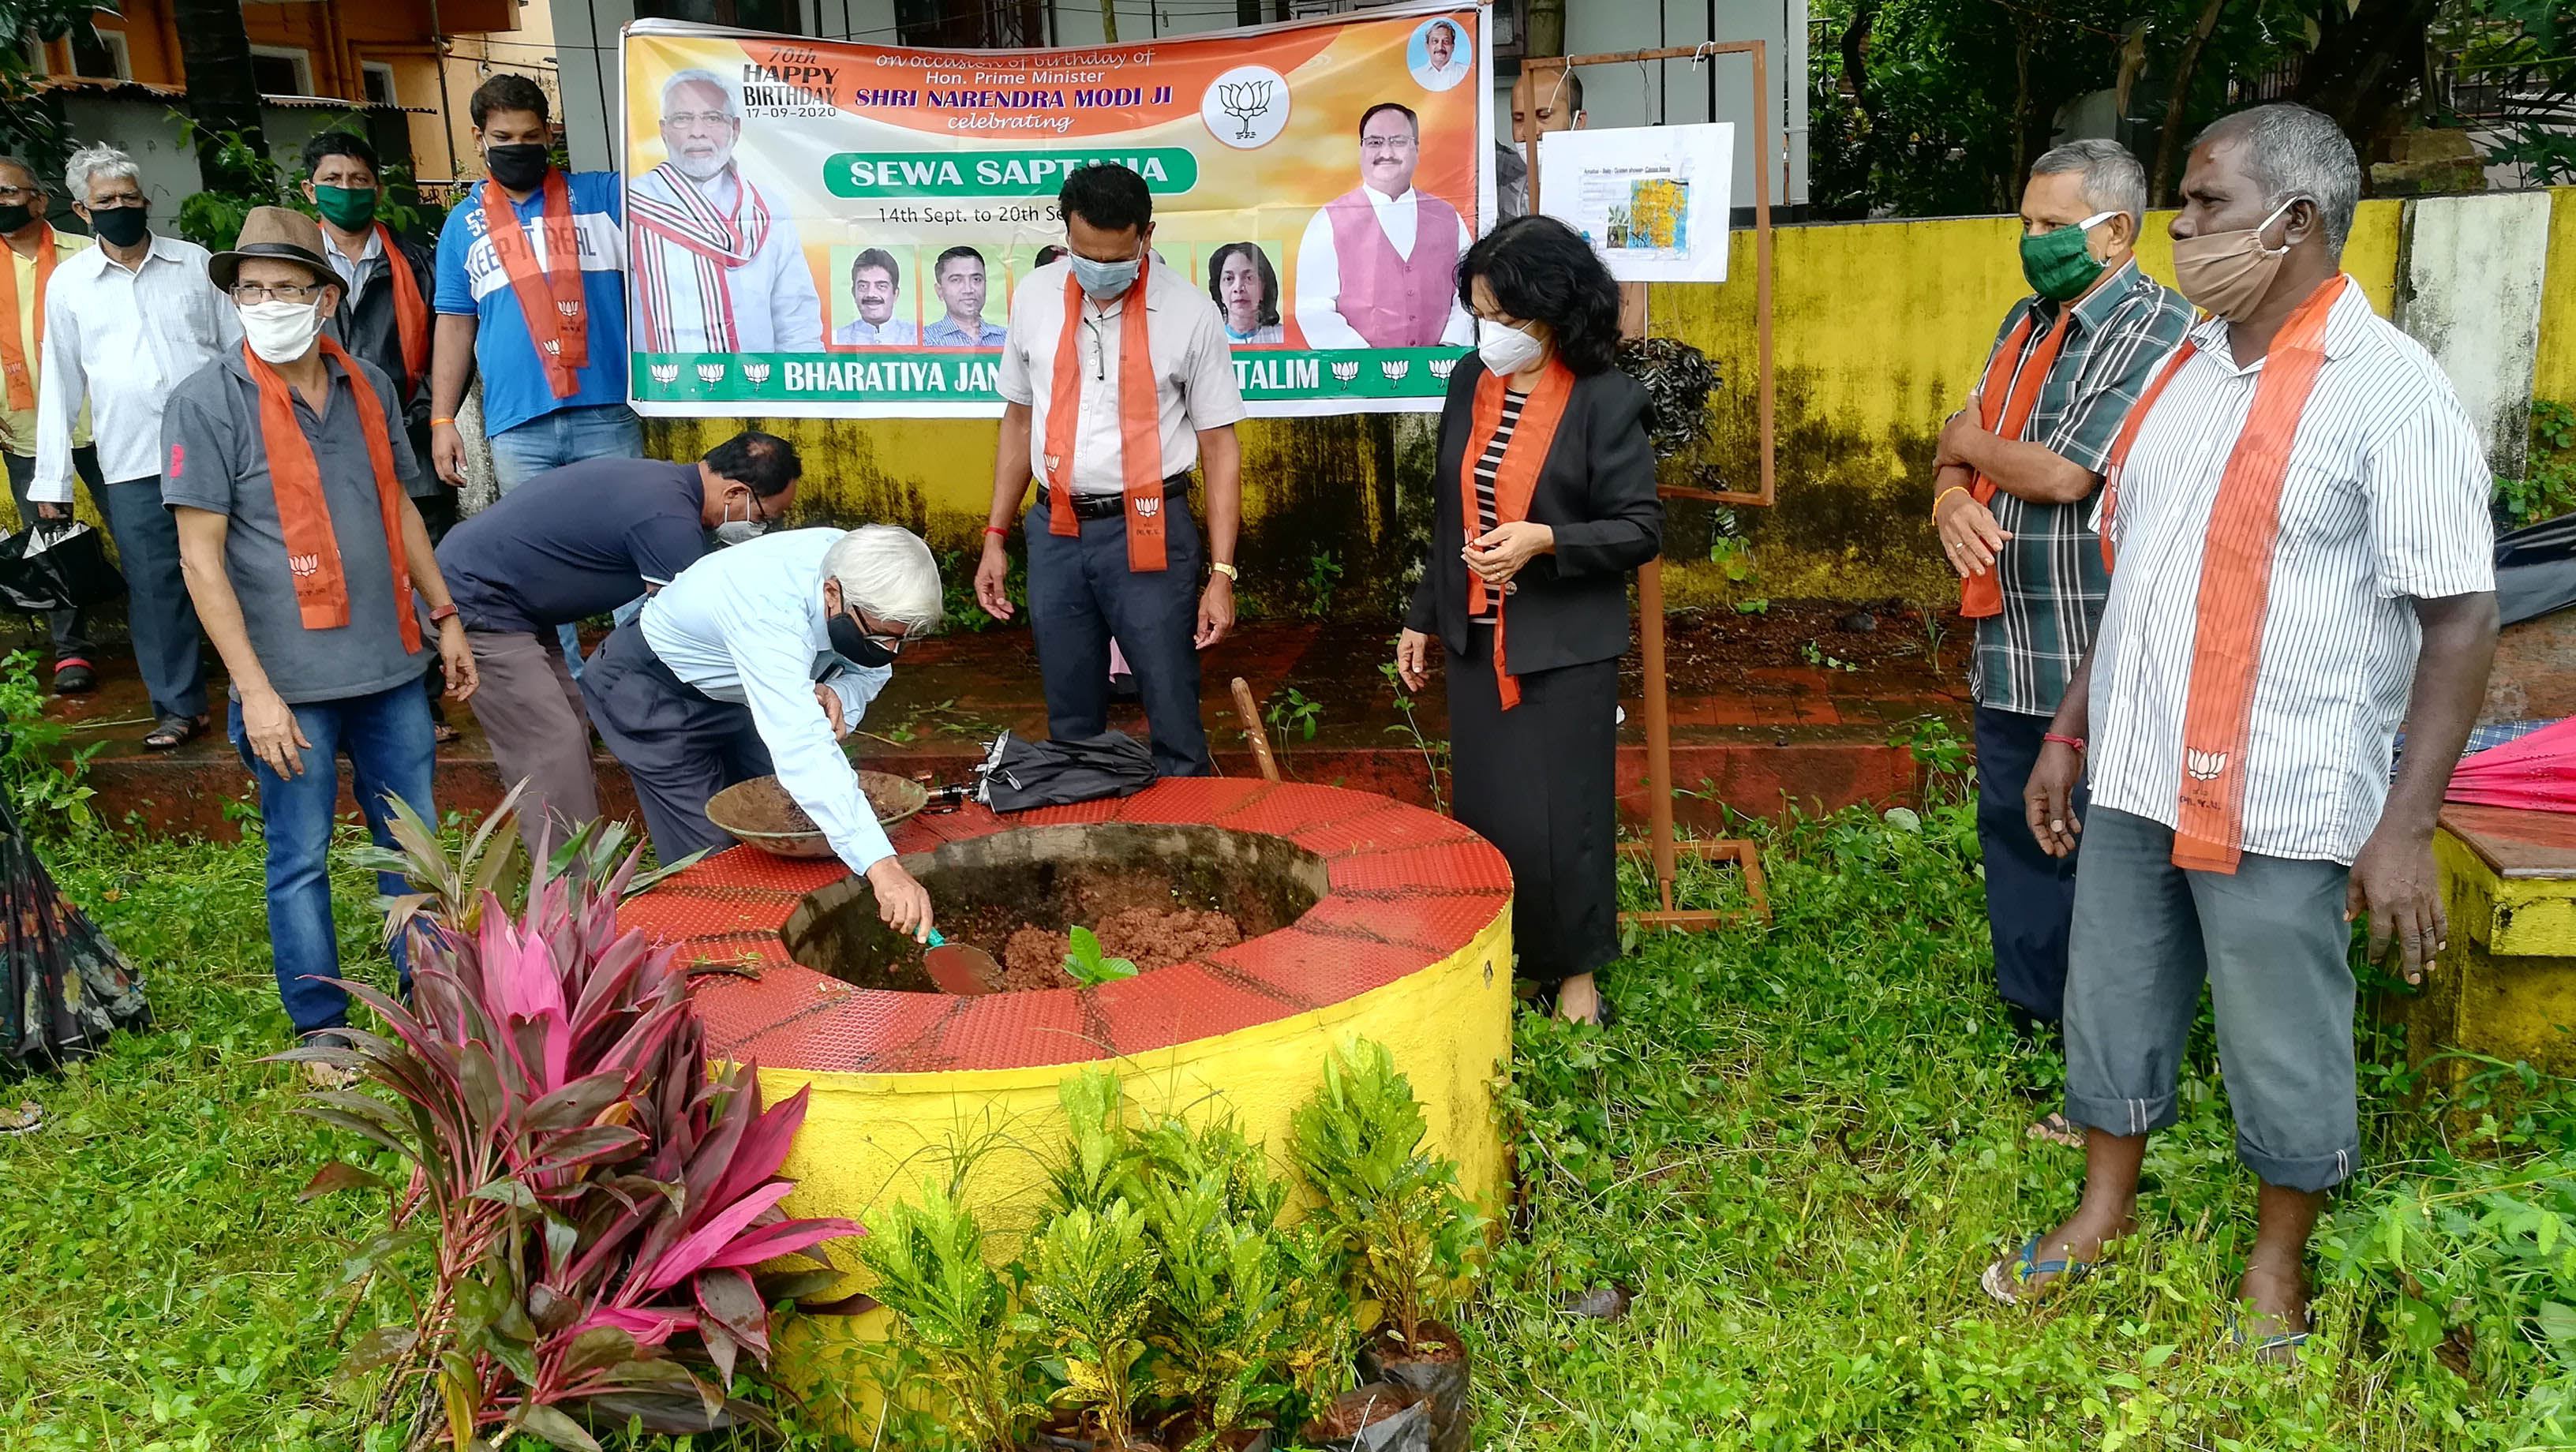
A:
1220	567
442	614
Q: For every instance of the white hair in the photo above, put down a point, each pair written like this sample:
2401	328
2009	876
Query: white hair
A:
2294	151
101	160
699	75
2113	180
888	572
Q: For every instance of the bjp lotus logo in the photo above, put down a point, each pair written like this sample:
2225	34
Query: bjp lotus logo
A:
1396	369
1148	508
304	564
1343	373
758	373
666	374
554	347
570	310
711	373
1246	107
2204	765
1441	368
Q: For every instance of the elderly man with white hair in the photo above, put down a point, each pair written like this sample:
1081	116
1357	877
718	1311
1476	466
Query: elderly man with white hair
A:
126	322
715	270
759	659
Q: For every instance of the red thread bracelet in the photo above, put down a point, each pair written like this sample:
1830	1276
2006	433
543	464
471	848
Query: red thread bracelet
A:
997	529
2076	742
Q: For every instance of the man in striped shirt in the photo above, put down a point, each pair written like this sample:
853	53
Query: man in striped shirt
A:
2017	473
2303	561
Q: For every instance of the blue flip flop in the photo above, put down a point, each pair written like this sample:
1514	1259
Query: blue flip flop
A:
2007	1282
2262	1346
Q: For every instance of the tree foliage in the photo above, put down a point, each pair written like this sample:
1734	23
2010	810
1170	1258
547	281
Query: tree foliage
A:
1934	107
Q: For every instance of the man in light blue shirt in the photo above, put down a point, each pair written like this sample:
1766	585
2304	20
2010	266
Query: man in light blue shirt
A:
758	659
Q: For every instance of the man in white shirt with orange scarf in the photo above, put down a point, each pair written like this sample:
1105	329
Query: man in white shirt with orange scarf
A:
1118	367
2301	560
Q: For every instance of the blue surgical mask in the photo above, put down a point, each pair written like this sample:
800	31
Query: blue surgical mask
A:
1103	281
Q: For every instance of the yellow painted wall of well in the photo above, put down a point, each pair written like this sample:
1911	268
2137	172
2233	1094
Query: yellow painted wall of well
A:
2505	983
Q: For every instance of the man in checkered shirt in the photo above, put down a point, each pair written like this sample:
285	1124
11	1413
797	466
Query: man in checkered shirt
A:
2018	472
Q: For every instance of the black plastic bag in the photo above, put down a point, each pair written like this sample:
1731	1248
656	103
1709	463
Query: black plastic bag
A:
56	567
1407	1431
2536	569
1442	1385
1018	775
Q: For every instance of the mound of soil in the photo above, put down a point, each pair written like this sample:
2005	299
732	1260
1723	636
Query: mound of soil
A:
1151	938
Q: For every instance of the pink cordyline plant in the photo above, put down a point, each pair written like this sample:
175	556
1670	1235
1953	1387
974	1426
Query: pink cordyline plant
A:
597	1198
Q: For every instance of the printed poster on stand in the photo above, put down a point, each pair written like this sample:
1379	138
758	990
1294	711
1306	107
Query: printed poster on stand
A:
1652	200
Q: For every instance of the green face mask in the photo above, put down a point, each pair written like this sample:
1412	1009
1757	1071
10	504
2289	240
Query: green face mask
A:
348	208
2055	262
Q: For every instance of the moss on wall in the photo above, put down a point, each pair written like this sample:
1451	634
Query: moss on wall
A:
1879	329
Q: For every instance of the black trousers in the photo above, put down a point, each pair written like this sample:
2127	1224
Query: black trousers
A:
1082	595
679	745
1539	781
2030	896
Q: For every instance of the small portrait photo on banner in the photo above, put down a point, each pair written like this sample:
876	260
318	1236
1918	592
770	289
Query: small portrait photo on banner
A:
875	308
1246	288
1439	55
966	294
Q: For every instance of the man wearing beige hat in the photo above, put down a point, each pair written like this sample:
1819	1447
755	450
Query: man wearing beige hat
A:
287	464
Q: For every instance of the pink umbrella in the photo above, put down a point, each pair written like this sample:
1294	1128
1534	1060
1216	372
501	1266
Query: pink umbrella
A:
2535	772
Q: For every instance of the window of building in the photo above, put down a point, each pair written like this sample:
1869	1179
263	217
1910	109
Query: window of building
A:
380	83
784	16
100	55
281	70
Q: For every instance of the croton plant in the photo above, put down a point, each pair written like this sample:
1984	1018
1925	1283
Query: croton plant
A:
597	1199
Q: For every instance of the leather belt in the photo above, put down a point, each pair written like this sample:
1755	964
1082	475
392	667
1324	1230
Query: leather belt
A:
1111	506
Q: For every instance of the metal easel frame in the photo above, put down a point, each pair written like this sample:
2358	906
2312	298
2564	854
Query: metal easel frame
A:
1543	71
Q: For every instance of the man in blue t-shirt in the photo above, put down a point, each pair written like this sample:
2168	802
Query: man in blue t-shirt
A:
573	543
553	366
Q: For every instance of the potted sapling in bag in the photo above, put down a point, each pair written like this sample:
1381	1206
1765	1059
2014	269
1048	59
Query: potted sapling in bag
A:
1406	1234
1090	1289
952	1313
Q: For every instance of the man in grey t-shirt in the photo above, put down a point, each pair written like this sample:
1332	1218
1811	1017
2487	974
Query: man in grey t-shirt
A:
286	463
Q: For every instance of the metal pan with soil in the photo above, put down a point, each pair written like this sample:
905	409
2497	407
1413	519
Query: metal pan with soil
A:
760	813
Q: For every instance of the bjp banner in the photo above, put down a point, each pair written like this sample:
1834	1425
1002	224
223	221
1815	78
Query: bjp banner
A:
825	229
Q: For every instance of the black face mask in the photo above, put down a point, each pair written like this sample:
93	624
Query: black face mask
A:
121	226
14	217
520	166
851	643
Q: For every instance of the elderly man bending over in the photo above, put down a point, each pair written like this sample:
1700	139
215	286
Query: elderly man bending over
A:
758	659
2298	511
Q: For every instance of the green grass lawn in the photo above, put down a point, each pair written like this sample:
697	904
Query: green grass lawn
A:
1798	1148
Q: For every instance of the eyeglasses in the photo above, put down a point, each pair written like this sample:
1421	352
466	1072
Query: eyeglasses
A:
891	644
18	194
255	292
116	204
1386	143
697	118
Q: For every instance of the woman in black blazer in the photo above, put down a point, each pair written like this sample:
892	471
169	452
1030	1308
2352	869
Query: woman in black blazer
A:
1544	502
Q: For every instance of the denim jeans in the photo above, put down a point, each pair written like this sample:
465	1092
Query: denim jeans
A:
387	739
565	436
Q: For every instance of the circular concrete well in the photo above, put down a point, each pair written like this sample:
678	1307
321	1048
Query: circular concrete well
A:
1362	918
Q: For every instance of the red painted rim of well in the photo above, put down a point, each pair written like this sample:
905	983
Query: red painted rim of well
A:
1405	889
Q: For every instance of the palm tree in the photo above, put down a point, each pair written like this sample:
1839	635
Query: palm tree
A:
223	95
